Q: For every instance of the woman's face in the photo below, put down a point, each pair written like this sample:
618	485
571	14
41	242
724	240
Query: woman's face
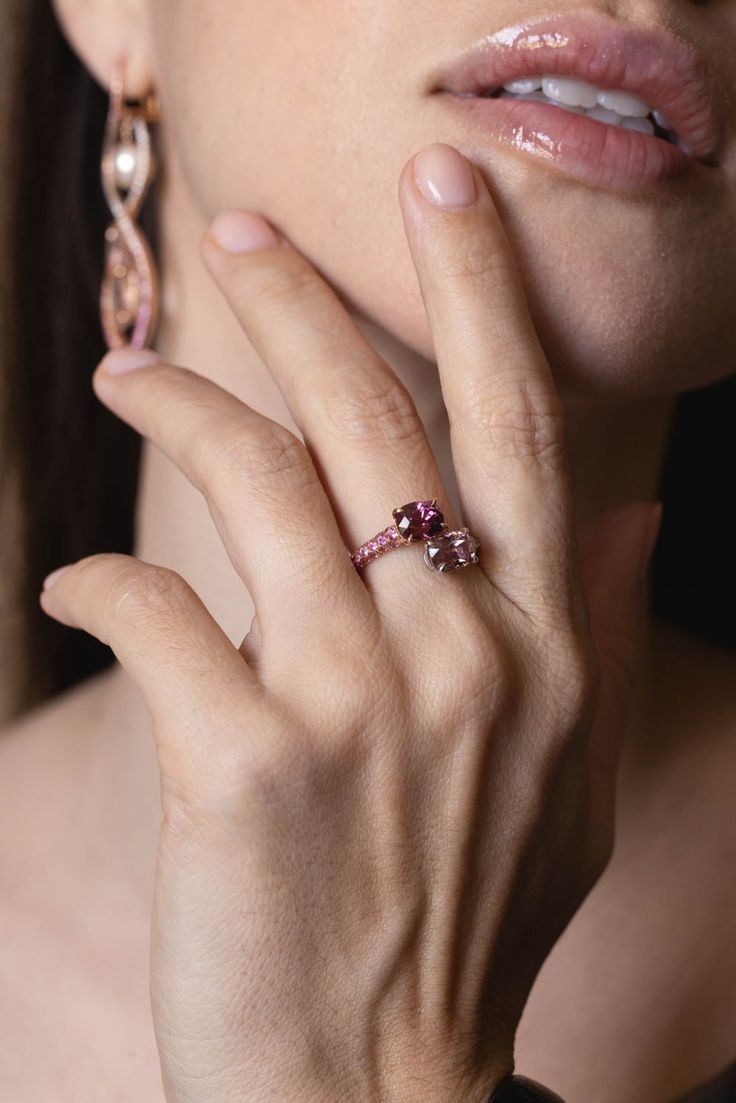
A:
306	110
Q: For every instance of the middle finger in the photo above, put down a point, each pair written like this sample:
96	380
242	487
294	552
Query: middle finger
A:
506	416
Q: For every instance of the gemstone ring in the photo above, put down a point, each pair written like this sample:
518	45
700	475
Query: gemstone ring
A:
421	521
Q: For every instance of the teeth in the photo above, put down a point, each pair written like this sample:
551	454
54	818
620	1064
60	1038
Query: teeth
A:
541	98
576	93
521	87
579	93
623	103
607	105
646	126
603	115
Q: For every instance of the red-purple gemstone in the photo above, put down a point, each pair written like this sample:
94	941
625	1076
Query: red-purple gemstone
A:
451	550
419	520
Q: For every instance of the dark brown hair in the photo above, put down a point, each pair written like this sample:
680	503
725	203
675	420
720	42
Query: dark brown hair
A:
74	466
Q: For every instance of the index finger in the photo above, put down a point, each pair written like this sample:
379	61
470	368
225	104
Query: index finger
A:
506	417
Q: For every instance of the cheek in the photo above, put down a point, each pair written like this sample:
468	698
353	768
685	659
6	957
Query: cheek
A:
244	92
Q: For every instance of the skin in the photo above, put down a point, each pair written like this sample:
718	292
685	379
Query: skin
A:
450	777
606	353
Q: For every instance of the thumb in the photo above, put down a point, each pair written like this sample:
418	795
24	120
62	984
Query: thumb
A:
615	556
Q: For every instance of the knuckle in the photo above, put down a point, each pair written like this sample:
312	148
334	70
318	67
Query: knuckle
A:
266	775
475	259
372	406
574	680
138	591
363	688
522	421
274	289
130	592
237	777
258	451
181	814
480	679
87	569
266	780
364	695
278	772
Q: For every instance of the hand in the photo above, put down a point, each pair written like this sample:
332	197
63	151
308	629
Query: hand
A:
381	811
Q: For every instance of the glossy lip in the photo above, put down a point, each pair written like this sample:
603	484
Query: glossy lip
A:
665	71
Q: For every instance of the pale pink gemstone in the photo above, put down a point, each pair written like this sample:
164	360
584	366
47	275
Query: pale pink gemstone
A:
451	550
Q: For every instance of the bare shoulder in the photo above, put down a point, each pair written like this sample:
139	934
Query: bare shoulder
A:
45	758
638	998
74	1019
49	730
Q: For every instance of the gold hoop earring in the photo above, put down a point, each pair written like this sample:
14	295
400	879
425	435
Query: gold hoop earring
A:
130	286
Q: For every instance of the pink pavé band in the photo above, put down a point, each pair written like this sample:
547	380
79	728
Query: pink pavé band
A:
382	542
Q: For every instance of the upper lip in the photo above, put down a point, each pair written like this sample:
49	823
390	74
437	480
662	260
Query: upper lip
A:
665	70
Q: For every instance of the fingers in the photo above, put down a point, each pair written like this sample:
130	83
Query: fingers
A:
505	413
261	486
165	638
358	420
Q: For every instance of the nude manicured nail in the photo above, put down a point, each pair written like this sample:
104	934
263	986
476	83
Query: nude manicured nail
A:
125	359
50	579
444	177
242	232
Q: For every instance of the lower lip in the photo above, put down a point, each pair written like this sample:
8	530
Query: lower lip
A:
605	156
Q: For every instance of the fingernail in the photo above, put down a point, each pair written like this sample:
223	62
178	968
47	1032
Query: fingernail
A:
50	579
444	177
125	359
242	232
651	533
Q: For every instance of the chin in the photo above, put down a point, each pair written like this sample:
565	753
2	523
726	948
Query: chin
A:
632	338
